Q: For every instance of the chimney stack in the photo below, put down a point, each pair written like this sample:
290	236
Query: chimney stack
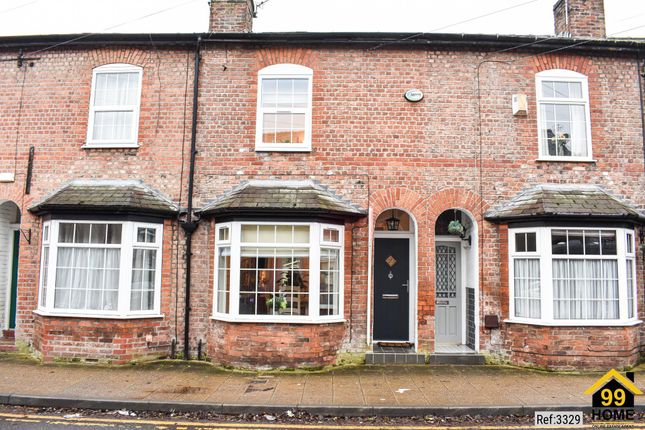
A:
579	18
231	16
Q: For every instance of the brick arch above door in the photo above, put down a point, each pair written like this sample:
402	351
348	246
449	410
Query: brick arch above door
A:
399	198
456	198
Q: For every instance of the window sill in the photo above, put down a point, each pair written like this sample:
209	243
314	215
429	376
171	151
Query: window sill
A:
95	316
595	323
110	146
282	148
565	160
272	320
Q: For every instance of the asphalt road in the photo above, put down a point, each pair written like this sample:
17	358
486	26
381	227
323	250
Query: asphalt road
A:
17	421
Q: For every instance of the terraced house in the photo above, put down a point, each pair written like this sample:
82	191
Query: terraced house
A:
292	199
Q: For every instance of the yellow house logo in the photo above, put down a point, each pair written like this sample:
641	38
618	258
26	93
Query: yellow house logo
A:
613	397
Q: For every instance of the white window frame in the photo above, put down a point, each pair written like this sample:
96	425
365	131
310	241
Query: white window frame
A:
284	71
544	253
562	75
314	245
132	142
535	255
629	237
128	243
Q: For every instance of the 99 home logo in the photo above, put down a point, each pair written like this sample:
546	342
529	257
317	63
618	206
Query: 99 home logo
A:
613	397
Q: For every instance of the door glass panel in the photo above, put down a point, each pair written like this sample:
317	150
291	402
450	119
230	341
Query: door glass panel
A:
446	272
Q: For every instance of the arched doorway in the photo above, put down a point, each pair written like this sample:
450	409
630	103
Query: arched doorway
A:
394	275
456	283
9	248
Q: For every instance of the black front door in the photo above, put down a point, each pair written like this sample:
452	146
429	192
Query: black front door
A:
391	289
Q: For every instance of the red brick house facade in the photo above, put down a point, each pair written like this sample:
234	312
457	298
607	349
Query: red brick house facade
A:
497	216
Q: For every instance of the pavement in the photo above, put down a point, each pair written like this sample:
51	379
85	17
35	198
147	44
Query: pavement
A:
361	390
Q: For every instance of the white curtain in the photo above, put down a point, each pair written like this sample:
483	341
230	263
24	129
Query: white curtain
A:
43	278
66	233
585	289
114	90
87	278
143	279
63	282
630	288
527	287
224	279
95	278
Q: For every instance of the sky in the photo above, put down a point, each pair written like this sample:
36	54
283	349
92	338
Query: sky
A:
24	17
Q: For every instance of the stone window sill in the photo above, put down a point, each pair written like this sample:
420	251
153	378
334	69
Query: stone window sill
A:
565	160
609	323
271	320
96	316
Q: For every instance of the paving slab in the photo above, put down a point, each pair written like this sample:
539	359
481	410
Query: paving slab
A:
357	390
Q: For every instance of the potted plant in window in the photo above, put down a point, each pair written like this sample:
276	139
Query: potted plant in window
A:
280	303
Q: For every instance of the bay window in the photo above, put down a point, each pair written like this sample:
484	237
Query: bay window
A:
96	268
572	275
275	271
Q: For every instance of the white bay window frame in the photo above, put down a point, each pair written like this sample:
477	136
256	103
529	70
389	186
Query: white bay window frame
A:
546	257
129	242
315	244
284	71
134	108
562	76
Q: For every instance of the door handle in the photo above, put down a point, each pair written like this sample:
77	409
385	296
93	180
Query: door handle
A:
390	296
407	286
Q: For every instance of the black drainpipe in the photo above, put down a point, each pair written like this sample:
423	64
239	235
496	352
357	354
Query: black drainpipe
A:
640	71
190	225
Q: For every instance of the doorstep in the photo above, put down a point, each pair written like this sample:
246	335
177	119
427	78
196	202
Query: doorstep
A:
392	354
463	359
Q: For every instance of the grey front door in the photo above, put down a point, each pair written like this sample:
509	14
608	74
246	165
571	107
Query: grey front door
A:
391	289
448	293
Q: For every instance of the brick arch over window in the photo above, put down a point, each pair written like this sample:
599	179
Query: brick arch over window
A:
302	57
135	57
569	62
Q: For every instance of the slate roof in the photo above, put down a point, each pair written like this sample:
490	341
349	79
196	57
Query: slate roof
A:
100	195
568	201
261	197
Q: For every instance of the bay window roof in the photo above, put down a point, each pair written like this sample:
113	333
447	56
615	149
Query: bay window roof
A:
565	201
288	197
112	196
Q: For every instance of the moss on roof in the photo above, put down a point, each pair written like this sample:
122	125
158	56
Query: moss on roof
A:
106	195
281	196
582	201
